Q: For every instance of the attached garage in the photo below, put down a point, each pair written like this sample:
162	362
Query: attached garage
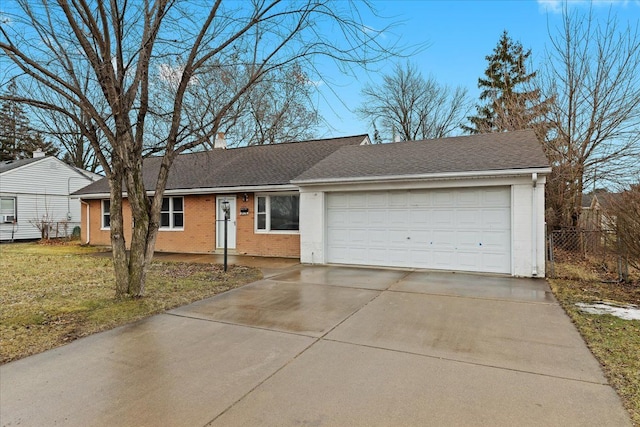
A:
472	204
449	229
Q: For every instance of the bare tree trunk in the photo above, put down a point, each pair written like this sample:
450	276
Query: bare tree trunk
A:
118	244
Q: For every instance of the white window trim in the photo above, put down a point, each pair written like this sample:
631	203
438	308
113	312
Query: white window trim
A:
15	208
102	213
268	213
171	227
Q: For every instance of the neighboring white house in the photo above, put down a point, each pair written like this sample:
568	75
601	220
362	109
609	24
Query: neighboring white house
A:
34	194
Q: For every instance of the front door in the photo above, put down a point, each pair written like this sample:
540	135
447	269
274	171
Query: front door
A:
231	223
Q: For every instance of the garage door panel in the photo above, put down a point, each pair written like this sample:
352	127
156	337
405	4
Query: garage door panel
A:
419	199
358	238
378	238
337	217
444	238
378	256
467	219
376	200
469	261
377	217
398	239
496	218
443	259
357	255
469	240
338	200
468	198
398	217
443	198
357	217
420	238
420	257
451	229
420	217
493	262
357	201
336	236
497	197
495	239
443	218
398	199
398	258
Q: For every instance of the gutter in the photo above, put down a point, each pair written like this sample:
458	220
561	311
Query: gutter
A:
427	176
208	190
534	225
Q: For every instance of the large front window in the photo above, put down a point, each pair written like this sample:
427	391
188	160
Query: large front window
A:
172	213
278	212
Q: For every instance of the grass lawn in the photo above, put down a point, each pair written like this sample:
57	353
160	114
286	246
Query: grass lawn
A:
52	294
614	342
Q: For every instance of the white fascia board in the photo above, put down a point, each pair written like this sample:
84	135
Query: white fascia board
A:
209	190
426	177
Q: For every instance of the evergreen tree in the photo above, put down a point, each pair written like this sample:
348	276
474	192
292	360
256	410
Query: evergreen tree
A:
509	104
17	139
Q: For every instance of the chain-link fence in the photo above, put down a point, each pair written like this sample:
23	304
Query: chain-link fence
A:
586	253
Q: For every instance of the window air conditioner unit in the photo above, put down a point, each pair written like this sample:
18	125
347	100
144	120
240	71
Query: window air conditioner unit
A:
8	219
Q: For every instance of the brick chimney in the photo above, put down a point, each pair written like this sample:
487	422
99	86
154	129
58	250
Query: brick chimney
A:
220	142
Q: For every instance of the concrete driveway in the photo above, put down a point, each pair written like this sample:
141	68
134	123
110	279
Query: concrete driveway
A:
333	346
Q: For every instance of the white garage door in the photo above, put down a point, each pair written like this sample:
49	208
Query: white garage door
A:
453	229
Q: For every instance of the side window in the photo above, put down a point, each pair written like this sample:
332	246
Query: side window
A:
106	214
8	210
172	213
261	213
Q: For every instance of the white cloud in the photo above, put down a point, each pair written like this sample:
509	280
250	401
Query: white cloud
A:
372	31
316	83
553	6
556	6
172	74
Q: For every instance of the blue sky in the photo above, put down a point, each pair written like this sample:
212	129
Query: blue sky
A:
459	35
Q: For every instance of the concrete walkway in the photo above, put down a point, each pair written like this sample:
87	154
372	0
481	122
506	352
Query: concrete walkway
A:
328	346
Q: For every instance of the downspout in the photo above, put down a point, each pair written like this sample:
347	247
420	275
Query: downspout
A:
534	225
88	222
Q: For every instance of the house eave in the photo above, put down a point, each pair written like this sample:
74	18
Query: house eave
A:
425	177
207	190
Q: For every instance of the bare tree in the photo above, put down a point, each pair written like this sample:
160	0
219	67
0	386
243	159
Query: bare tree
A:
624	213
131	48
593	75
411	107
277	108
76	149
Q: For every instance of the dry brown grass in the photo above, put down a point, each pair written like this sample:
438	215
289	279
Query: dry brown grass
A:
53	294
615	342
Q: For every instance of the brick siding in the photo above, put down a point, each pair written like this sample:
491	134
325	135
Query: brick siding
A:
199	234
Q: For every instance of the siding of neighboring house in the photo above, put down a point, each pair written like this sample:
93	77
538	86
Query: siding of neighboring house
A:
41	190
199	232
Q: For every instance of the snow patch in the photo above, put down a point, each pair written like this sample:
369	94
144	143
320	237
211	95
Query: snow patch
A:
626	312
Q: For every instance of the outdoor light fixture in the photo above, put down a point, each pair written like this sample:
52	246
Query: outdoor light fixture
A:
226	209
245	197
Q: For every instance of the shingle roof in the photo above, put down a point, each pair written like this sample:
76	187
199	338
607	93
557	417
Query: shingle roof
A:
484	152
260	165
7	165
